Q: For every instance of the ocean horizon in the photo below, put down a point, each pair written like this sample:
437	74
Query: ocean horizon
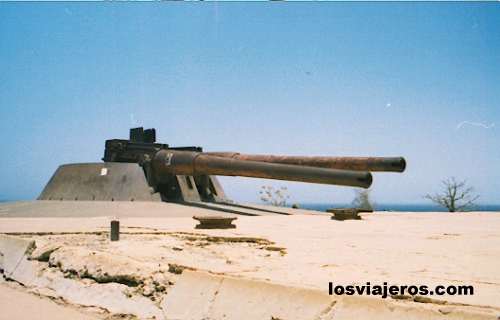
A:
410	207
396	207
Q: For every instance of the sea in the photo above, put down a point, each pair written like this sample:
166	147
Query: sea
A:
418	207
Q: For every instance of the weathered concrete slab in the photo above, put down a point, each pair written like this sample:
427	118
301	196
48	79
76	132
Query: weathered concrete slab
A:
264	300
197	292
14	252
113	297
208	296
302	252
110	294
356	307
20	305
199	295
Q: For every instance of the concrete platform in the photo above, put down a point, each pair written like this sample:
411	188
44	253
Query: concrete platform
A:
261	263
67	209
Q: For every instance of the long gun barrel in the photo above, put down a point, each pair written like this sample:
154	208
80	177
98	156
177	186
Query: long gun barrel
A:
394	164
169	162
188	173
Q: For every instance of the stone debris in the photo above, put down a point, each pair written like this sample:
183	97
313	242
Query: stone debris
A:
88	270
43	253
102	267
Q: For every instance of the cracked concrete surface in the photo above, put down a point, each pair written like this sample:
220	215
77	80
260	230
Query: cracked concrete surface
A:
269	267
132	276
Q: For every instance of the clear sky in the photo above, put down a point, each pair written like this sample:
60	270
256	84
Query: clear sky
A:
419	80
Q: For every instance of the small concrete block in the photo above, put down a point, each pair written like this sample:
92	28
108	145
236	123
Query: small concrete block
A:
345	214
215	222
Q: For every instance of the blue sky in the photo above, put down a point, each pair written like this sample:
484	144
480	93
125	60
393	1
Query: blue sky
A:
384	79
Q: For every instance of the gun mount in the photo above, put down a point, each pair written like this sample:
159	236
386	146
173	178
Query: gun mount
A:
142	169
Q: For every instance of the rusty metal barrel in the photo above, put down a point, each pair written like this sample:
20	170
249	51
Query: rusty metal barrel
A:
387	164
174	162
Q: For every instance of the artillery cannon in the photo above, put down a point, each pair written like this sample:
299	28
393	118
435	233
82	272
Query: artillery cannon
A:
386	164
141	169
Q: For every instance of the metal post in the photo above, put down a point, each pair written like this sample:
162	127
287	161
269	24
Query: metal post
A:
115	230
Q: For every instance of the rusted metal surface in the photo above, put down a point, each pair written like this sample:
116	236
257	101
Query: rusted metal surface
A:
345	214
394	164
215	222
140	169
167	167
172	162
115	230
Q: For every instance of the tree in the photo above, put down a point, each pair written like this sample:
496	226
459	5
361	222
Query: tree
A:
362	200
274	197
456	195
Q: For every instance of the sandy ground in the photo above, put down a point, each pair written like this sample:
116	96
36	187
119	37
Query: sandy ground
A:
20	305
305	251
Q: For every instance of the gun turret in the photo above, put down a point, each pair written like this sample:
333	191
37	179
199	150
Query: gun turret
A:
165	166
142	169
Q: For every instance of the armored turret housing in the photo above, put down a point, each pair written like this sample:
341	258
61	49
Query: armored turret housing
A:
140	169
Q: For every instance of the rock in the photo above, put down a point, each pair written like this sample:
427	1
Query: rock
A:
100	266
148	290
43	253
